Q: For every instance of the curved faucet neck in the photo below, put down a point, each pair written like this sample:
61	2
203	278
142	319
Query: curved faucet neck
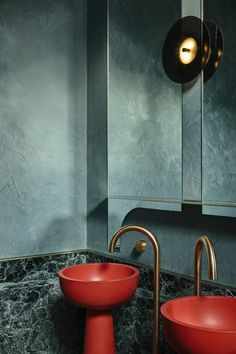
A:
156	273
205	242
137	228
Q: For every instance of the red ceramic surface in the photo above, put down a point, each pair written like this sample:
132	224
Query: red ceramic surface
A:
99	333
200	324
98	285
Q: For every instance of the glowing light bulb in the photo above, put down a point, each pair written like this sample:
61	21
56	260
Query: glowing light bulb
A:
188	50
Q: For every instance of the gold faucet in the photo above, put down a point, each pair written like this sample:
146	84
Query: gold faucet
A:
156	275
212	267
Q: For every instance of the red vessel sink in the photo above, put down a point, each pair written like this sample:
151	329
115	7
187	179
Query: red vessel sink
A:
99	287
200	324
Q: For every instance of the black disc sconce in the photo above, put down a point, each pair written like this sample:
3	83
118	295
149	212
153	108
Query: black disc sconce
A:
216	52
190	47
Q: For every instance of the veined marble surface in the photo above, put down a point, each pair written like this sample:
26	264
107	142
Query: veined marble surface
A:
37	319
39	268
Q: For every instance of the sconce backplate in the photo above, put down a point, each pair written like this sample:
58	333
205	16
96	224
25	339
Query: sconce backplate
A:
175	50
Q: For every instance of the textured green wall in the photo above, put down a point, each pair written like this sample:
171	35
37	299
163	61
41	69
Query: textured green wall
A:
145	106
42	126
97	124
219	123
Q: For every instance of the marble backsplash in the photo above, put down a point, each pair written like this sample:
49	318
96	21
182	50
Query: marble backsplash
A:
37	319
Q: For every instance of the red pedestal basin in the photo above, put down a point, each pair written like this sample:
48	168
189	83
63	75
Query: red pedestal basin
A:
200	324
99	287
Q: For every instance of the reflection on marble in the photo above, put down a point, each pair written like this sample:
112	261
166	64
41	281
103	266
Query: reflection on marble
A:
37	319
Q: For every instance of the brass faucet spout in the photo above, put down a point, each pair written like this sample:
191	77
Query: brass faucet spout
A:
156	271
204	241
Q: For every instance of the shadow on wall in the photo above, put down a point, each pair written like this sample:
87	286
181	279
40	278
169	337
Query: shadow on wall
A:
69	233
60	235
177	233
97	217
191	218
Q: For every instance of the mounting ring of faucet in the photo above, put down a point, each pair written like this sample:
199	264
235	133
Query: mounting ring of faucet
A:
141	246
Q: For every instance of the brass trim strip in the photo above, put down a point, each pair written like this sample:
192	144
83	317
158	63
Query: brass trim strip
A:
42	255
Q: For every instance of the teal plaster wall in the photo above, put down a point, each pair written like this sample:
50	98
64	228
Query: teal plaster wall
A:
144	106
42	126
219	123
97	124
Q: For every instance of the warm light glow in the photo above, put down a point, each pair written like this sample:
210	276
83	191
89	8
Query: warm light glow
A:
206	54
219	53
206	48
188	50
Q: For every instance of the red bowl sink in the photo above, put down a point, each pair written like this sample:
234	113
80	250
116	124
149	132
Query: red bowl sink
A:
98	285
200	324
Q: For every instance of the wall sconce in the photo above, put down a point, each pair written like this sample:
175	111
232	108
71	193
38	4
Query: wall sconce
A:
190	47
216	52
